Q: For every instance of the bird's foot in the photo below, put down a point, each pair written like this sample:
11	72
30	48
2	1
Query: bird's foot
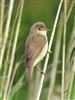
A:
42	72
49	52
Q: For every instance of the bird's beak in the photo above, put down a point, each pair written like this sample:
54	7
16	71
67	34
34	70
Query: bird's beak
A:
48	30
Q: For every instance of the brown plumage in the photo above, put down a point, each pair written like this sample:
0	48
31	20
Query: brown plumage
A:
35	43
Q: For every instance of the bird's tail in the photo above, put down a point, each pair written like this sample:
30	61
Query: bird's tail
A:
29	73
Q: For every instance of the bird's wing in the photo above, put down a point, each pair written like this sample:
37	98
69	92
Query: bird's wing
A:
34	45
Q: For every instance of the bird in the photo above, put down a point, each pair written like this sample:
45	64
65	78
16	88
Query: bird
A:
36	46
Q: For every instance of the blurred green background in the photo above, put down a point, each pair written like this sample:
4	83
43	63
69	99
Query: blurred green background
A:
34	11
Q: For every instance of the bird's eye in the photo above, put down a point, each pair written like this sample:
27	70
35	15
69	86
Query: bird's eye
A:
39	28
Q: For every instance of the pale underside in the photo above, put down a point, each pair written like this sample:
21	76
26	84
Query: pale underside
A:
42	54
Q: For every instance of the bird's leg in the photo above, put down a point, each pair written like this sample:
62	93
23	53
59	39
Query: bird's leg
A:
40	69
49	51
42	72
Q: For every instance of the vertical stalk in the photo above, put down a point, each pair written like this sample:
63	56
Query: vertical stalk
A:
9	50
63	52
70	10
13	51
47	57
1	21
6	31
56	58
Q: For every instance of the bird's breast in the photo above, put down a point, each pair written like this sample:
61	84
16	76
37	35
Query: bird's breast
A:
42	53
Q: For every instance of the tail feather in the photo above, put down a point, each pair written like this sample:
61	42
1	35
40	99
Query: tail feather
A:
29	73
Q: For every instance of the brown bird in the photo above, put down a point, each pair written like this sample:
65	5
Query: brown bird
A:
36	46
